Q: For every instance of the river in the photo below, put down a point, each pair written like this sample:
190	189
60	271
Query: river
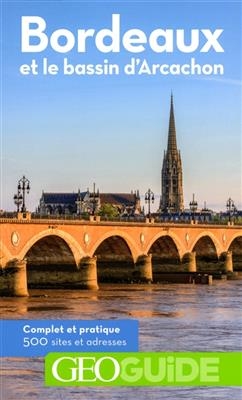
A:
172	317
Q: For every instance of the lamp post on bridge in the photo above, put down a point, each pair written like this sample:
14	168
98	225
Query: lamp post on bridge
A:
19	198
230	208
193	207
94	196
205	211
79	203
149	197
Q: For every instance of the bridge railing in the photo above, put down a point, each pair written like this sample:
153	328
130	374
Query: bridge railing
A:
65	218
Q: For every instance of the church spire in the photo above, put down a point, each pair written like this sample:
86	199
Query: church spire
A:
172	145
171	173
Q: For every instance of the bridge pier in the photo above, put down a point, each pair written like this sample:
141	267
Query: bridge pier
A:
192	266
13	280
88	269
228	262
144	268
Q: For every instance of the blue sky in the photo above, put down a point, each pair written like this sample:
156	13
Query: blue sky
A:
66	132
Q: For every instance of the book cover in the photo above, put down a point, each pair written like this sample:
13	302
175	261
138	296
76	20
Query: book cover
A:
120	220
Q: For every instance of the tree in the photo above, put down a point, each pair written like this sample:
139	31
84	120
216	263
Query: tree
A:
108	210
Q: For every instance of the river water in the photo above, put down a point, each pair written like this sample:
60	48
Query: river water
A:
172	317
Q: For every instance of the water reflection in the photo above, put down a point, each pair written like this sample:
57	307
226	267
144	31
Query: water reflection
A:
171	318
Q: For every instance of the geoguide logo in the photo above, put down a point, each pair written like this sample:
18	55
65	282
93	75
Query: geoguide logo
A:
144	369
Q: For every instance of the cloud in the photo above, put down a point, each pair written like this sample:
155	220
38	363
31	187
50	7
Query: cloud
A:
227	81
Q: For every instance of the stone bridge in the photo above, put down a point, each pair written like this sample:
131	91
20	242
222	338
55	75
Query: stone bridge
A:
77	252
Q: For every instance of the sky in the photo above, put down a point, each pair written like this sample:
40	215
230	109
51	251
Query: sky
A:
65	132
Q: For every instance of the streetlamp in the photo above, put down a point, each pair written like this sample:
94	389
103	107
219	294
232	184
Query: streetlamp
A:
230	208
193	207
79	203
94	198
149	197
205	210
19	198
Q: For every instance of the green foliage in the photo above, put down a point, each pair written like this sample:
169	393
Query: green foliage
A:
108	210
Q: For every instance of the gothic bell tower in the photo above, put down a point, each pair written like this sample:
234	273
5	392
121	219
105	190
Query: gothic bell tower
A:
171	173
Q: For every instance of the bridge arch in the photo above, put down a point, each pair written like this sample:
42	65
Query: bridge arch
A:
115	259
130	242
73	245
166	250
213	239
236	239
173	239
53	259
207	251
235	245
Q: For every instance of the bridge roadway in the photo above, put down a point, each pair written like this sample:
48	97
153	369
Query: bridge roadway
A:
25	238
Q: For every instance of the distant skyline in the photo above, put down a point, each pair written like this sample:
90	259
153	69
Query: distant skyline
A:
66	132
